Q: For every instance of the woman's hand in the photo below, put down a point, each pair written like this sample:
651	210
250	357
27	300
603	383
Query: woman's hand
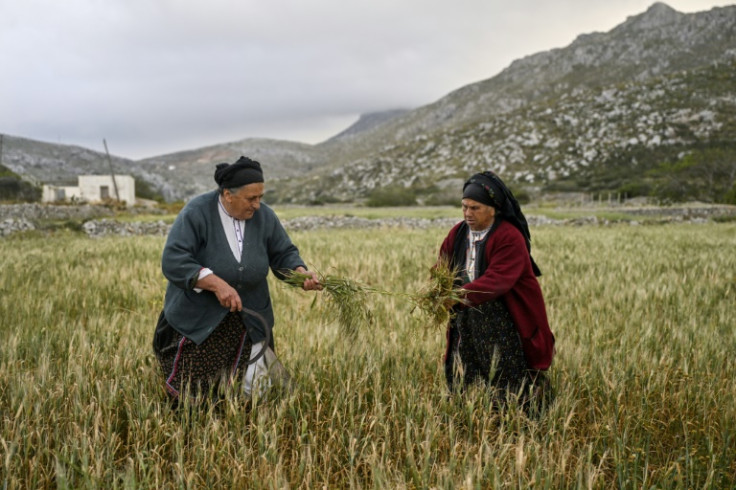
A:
309	284
450	303
229	297
226	294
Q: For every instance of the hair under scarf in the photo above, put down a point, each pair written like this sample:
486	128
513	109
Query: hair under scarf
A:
487	188
243	172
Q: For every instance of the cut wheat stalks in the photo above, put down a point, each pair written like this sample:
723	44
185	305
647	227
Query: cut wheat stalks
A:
436	298
347	298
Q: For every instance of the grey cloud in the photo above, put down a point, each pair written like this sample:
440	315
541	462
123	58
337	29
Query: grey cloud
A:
154	76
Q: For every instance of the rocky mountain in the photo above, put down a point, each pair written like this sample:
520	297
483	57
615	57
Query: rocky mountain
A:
653	87
366	123
604	113
660	41
185	174
175	176
589	139
39	162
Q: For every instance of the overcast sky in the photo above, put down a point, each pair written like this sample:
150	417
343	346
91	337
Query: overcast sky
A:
159	76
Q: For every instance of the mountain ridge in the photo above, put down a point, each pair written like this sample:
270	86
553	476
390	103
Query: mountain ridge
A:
392	149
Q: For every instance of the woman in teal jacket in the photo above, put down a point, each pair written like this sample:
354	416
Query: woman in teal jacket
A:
217	312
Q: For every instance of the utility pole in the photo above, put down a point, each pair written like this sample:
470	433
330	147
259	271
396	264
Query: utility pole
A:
112	172
1	148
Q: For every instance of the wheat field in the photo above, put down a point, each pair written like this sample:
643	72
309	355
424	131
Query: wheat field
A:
644	373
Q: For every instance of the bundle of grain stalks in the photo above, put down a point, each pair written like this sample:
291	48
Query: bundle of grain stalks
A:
347	299
433	300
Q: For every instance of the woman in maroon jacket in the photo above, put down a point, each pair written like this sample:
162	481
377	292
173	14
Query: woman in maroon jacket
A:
500	334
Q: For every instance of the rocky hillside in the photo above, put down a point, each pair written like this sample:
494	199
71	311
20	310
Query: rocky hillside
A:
612	111
188	173
652	89
590	139
40	162
657	42
366	123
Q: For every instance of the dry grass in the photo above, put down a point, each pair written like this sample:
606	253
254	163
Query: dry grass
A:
644	373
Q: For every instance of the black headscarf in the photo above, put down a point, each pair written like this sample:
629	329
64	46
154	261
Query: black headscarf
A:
243	172
487	188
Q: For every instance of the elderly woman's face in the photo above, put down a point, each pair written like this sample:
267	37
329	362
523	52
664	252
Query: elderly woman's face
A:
478	216
245	202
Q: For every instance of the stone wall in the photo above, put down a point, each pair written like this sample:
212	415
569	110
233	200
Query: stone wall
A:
97	222
14	225
104	227
43	212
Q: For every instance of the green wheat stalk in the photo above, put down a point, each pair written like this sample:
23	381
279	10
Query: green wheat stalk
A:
347	299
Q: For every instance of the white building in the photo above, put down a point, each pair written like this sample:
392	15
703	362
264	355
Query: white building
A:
93	188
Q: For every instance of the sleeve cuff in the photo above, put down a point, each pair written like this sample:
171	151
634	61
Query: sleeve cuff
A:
203	272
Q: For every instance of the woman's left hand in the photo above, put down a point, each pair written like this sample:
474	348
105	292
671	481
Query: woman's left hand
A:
310	284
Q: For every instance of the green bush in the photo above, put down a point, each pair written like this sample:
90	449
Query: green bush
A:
6	172
391	196
730	196
706	172
635	189
443	199
434	196
521	194
14	189
144	190
323	199
707	175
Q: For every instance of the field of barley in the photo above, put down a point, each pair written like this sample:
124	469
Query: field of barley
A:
644	375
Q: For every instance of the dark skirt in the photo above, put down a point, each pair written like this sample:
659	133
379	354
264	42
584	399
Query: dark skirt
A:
206	367
483	346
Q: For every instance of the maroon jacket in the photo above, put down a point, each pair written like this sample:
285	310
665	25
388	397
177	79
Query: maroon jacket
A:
509	276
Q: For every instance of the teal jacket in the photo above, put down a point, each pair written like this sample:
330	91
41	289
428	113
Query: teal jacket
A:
197	240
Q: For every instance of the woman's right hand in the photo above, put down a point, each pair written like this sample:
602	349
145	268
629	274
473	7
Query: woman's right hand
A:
226	294
229	297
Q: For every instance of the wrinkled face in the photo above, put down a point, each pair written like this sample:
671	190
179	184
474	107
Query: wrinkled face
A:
245	202
478	216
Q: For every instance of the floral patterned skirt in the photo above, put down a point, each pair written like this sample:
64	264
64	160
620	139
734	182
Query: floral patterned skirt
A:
483	345
203	368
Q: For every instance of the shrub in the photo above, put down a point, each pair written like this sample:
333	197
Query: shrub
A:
14	189
707	175
521	194
392	196
635	189
144	190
